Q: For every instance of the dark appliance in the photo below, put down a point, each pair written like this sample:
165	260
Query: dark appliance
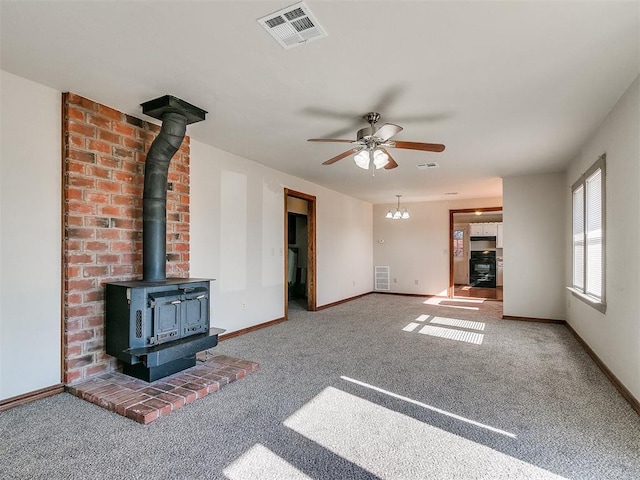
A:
482	269
156	325
482	239
157	328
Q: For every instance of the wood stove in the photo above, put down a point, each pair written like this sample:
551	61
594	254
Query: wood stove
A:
156	328
156	325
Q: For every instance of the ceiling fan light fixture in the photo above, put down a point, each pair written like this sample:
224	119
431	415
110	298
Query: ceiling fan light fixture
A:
372	143
380	159
362	159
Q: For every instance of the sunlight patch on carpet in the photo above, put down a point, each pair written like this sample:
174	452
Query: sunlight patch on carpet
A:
260	463
454	303
448	333
392	445
429	407
455	322
411	327
440	300
451	334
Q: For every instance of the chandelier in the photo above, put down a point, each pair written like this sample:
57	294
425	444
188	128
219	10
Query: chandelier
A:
397	215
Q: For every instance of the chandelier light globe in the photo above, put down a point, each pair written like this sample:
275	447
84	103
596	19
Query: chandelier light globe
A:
389	214
405	214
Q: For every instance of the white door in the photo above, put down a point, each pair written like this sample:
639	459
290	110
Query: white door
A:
461	254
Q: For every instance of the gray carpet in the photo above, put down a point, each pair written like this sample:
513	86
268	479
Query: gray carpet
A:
347	393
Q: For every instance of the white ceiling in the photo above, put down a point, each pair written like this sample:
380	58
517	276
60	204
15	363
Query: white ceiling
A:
510	88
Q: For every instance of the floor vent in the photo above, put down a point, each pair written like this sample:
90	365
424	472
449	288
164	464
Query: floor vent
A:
383	281
292	26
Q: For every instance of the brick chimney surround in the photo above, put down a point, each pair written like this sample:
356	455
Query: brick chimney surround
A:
103	176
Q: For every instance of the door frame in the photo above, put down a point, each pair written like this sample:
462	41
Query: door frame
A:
451	214
311	250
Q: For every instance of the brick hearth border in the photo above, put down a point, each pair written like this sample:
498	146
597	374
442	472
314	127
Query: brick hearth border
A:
145	402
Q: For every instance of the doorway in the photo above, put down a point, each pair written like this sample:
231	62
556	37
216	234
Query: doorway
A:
300	248
466	244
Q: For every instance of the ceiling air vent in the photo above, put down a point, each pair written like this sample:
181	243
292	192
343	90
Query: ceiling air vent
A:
424	166
292	26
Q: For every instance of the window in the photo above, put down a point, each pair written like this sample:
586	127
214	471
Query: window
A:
458	243
588	202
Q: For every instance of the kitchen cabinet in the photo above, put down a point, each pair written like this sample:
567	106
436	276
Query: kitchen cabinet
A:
483	229
499	236
475	229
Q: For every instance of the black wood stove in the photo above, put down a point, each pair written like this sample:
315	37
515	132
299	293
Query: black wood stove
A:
155	326
156	329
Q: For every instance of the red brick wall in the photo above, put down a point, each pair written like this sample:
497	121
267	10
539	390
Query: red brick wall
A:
104	154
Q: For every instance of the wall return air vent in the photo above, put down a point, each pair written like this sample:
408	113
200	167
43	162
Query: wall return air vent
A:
293	26
382	278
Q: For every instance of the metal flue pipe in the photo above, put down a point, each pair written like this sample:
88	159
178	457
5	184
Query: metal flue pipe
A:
175	115
154	198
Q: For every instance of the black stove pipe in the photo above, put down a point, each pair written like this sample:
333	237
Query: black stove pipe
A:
154	198
175	114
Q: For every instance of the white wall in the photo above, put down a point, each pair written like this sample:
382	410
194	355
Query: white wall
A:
237	237
534	246
615	335
30	236
417	249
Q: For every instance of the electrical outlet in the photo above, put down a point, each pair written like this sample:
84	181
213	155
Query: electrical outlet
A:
395	280
354	283
417	282
244	305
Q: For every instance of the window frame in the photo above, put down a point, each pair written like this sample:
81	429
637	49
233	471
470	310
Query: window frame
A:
599	303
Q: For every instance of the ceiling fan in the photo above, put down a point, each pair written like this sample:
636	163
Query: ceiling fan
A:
370	146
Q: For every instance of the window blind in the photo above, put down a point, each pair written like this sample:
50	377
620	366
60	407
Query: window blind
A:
578	237
594	245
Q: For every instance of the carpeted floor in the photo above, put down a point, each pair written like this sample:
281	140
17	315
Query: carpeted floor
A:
381	387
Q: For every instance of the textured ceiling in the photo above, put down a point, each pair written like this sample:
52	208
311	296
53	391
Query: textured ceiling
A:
511	88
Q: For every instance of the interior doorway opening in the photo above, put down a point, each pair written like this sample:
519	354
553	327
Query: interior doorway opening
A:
297	257
475	259
300	245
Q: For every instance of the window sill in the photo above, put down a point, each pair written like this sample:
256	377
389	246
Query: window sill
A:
592	302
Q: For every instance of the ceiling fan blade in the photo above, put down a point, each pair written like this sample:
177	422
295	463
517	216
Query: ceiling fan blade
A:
392	163
329	140
387	131
340	157
426	147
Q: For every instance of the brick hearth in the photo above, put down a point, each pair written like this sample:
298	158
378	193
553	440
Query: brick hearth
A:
145	402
